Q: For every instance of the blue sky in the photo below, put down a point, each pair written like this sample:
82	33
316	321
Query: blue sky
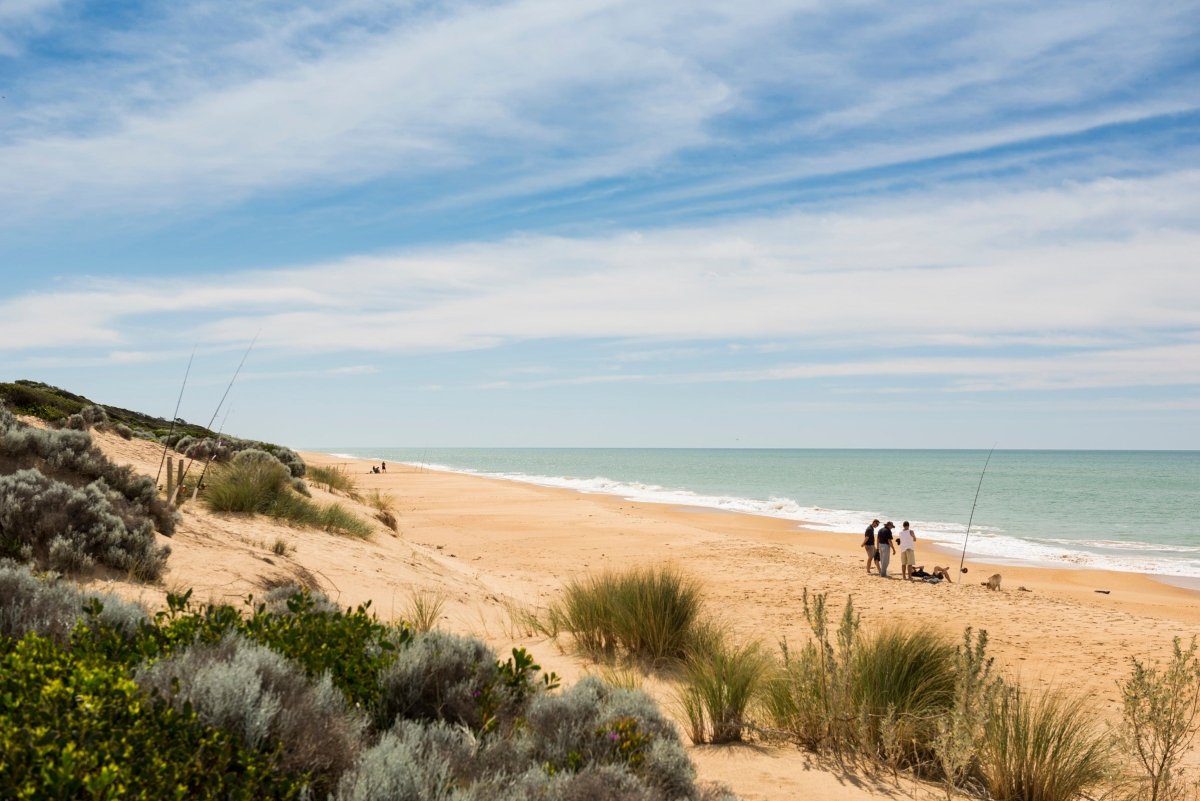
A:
771	224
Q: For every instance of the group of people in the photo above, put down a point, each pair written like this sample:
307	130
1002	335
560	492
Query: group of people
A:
382	468
880	542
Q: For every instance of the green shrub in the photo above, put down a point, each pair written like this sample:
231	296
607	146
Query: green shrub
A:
647	613
248	689
1045	749
52	609
338	519
70	457
1161	709
125	432
721	683
79	727
56	526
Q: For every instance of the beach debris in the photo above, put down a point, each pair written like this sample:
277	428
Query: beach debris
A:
1023	588
993	583
1104	592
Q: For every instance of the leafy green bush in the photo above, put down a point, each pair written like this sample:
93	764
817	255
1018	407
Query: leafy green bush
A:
75	726
1045	749
648	613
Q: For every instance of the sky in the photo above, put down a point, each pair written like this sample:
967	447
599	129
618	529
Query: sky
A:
608	223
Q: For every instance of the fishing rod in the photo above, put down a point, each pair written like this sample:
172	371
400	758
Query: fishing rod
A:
212	454
971	519
217	411
174	418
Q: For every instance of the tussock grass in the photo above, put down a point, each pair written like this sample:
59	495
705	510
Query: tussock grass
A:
423	609
647	613
721	682
380	501
265	487
1046	749
334	479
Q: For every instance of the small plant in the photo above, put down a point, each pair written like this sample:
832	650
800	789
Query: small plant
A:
1048	749
279	547
721	682
1161	710
333	479
961	730
424	608
646	613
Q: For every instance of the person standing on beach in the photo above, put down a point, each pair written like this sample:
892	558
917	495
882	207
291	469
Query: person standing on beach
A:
908	550
885	546
868	544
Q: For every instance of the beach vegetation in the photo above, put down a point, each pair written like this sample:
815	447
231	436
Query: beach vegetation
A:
384	504
1161	714
333	479
424	608
649	613
1048	747
721	682
260	484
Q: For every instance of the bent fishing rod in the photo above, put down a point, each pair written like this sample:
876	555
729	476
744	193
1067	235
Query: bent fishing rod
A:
971	519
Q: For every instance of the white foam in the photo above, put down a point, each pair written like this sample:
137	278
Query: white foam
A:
984	543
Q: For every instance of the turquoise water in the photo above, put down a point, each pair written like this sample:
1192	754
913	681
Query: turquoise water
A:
1125	510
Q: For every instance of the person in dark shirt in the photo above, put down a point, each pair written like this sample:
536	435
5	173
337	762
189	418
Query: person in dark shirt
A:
868	544
885	546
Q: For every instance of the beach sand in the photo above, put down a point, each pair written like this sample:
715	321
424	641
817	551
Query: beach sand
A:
488	545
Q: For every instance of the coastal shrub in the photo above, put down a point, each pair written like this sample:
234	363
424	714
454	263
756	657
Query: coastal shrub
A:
960	731
333	479
301	487
1048	748
1161	712
76	726
384	504
56	526
94	416
76	422
647	613
52	608
440	676
721	682
594	724
315	602
248	689
70	457
125	432
253	456
412	761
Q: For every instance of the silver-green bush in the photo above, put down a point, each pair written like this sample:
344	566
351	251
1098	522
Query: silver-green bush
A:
52	608
249	689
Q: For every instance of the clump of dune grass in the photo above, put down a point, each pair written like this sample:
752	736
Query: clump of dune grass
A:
1048	748
858	695
646	613
259	486
333	479
384	504
721	682
423	609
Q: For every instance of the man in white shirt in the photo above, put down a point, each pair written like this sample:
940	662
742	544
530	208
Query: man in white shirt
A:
908	552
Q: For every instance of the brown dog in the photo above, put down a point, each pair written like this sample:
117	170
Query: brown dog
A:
992	583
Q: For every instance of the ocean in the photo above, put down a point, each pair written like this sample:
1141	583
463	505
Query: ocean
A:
1135	511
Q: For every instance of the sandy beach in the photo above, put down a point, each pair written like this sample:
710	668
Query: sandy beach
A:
489	545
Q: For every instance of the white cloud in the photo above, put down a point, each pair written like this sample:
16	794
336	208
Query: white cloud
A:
1096	281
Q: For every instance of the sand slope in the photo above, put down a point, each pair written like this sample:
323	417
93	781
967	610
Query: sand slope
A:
488	544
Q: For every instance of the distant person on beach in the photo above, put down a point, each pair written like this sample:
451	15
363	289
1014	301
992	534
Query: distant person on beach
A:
383	467
868	544
885	547
908	550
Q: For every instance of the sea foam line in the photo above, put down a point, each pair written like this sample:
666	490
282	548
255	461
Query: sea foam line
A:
985	542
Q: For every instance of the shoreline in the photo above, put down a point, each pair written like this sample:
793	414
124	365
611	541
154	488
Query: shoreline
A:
1190	584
